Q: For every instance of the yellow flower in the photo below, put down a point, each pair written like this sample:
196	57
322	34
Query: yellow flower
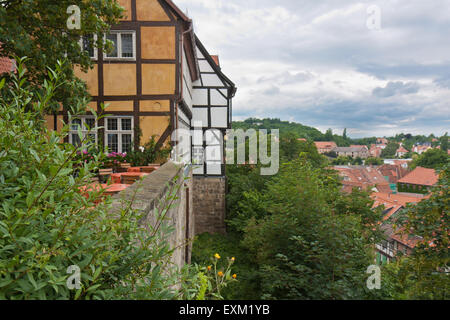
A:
234	276
209	268
232	259
220	274
217	256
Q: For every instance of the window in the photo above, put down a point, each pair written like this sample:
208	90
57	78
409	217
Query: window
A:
119	134
88	127
124	45
87	43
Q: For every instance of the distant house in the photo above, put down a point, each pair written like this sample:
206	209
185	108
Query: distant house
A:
401	152
382	141
354	152
420	149
420	180
362	178
395	241
375	151
325	146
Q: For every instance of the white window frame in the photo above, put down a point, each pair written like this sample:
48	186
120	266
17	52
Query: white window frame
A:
119	132
119	45
95	57
84	129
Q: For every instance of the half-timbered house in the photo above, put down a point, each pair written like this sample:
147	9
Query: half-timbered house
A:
158	78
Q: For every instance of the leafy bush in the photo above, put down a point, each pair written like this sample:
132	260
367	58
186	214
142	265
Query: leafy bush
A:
49	223
148	154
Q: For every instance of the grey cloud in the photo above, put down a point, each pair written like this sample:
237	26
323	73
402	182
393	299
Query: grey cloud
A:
443	82
411	47
396	88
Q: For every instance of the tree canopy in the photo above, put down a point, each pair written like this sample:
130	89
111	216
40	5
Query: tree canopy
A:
38	29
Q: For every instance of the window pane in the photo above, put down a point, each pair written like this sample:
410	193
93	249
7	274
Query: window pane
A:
90	124
113	143
113	38
112	124
88	45
127	45
76	141
126	124
76	123
126	143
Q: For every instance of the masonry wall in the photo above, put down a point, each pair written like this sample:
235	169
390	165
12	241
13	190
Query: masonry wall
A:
209	204
150	194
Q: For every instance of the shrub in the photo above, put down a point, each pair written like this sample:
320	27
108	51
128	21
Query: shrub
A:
48	223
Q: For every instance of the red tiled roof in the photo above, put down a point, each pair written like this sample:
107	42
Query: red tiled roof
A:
397	199
325	144
421	176
358	146
363	178
401	149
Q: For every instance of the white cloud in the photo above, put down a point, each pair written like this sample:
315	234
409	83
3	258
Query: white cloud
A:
318	63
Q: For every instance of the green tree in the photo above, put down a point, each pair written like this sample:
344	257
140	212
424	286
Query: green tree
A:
432	159
50	219
374	161
329	135
390	150
38	29
313	242
444	142
423	275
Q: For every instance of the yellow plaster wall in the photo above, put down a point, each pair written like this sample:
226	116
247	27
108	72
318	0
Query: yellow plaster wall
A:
119	106
152	126
155	106
126	4
59	123
91	78
50	125
158	42
150	10
119	79
49	122
158	79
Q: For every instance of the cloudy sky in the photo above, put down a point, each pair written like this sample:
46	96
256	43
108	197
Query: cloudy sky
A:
332	63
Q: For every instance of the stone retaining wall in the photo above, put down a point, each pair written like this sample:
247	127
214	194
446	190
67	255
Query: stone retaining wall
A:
150	194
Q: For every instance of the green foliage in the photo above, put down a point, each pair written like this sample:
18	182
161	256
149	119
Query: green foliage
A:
229	245
390	150
284	126
313	242
150	154
374	161
341	160
432	159
48	222
444	142
423	275
38	29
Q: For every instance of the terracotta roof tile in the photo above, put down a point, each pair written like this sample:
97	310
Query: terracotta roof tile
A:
325	144
421	176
